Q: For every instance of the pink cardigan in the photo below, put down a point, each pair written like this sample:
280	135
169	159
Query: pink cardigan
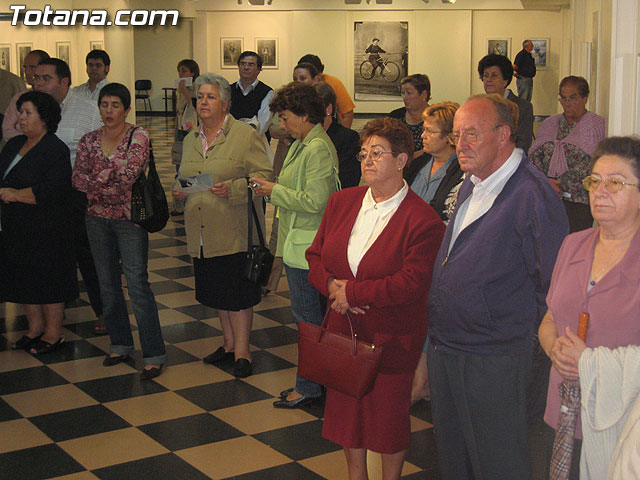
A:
613	303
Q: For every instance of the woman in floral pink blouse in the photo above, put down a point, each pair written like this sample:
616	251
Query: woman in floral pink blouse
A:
108	162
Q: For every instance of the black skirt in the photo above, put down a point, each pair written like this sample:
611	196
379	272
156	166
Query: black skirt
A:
219	283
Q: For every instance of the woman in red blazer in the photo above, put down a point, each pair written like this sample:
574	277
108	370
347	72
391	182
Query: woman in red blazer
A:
373	256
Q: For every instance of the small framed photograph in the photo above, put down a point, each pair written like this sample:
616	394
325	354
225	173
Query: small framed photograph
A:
499	46
63	51
95	45
5	56
22	49
540	52
230	50
267	48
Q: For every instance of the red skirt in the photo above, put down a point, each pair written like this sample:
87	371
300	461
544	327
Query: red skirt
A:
379	421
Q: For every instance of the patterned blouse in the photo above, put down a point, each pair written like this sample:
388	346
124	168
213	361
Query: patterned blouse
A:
416	133
108	180
577	160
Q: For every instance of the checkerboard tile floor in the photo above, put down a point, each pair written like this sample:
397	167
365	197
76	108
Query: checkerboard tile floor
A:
64	415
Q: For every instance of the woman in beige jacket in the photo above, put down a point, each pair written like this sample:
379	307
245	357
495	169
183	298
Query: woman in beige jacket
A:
216	220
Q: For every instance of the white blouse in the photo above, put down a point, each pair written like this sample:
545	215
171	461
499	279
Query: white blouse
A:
371	220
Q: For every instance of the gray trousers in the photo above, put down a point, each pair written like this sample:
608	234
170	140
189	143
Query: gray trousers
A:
478	404
525	87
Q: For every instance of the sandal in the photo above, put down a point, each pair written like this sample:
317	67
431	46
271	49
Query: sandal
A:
45	347
25	342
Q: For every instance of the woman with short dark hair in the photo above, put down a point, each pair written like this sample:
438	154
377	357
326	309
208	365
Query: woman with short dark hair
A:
308	177
563	149
108	162
416	93
373	257
35	228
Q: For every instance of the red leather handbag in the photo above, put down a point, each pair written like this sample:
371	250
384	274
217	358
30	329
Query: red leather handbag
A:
340	362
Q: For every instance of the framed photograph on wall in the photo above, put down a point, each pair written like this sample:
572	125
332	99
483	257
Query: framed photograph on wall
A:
63	51
95	45
230	50
22	49
267	48
540	52
499	46
380	53
5	56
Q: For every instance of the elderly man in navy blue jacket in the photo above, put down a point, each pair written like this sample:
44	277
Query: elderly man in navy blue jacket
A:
487	297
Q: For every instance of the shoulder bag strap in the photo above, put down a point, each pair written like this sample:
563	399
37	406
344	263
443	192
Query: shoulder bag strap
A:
252	208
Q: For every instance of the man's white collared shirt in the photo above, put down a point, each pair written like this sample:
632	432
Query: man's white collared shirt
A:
79	116
484	194
85	91
264	114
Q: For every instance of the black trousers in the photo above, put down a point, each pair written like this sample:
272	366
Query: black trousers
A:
83	251
478	404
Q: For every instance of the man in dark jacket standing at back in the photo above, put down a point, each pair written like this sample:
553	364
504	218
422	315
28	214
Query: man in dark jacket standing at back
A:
525	69
487	298
249	96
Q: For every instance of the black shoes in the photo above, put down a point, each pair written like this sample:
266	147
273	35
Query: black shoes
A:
298	402
242	368
220	355
148	374
110	361
25	342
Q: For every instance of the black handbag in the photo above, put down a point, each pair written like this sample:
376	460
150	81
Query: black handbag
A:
149	207
257	267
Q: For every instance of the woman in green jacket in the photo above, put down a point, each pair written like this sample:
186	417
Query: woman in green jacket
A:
308	177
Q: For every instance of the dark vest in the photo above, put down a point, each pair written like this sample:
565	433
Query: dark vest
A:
247	106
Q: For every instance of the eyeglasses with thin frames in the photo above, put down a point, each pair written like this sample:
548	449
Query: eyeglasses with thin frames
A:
612	185
375	155
471	136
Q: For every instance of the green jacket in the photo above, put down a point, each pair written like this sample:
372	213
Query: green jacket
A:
308	177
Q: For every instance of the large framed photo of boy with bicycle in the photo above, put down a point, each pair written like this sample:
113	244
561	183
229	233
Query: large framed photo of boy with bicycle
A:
381	52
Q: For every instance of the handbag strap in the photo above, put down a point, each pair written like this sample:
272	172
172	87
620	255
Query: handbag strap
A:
251	208
352	327
152	163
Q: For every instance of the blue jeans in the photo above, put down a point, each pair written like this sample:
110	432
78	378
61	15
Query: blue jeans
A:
306	306
112	242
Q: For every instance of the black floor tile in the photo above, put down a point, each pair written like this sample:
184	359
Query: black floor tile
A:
177	356
29	379
424	475
15	325
183	332
4	344
287	440
174	232
284	294
74	350
153	255
7	412
199	312
422	451
167	466
188	432
168	286
422	410
78	422
281	472
273	337
79	302
119	387
223	394
185	258
176	272
165	242
281	315
263	362
37	463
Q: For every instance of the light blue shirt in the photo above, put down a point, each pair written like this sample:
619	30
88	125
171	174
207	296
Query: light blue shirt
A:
426	187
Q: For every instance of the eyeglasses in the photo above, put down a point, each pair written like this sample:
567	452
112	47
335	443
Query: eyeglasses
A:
492	76
612	185
470	136
43	78
572	99
375	155
429	133
247	64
